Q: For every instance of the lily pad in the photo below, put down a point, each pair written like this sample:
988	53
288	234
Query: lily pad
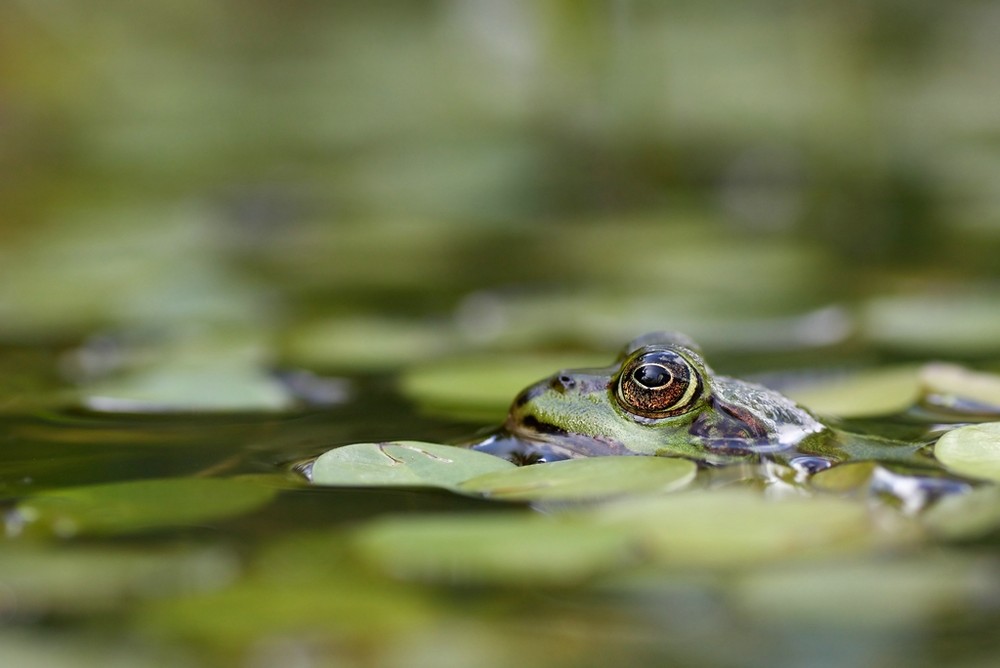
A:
973	451
579	479
217	369
861	394
507	548
844	477
78	580
965	516
407	463
866	594
137	506
961	323
958	387
258	611
170	389
482	387
732	528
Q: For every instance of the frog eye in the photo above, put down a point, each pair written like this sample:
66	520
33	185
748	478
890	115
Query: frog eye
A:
659	384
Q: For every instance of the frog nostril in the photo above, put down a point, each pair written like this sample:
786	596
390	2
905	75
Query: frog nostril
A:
564	382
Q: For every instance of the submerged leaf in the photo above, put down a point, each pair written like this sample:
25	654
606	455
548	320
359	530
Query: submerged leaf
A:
590	478
973	451
409	463
138	506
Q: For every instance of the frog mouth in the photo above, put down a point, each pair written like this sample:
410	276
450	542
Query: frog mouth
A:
533	432
523	446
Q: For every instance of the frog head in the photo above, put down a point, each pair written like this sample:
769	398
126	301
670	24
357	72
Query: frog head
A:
659	397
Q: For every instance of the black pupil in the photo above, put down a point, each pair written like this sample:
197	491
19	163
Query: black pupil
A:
651	376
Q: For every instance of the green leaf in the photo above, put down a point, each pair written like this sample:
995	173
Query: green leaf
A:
865	595
961	323
862	394
844	477
973	451
954	386
216	387
731	528
503	548
138	506
219	369
591	478
82	580
253	610
407	463
965	516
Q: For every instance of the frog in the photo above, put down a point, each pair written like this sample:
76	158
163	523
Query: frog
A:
660	397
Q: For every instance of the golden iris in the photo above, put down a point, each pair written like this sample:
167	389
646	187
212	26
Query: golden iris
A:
658	384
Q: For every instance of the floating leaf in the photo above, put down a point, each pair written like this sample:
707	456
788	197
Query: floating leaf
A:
861	394
865	594
973	451
958	387
965	516
409	463
962	323
590	478
730	528
170	389
507	548
844	477
255	611
483	387
138	506
82	580
219	369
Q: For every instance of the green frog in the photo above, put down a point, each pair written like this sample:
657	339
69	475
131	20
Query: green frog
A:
660	397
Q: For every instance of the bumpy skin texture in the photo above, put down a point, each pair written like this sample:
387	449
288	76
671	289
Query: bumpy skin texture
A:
661	398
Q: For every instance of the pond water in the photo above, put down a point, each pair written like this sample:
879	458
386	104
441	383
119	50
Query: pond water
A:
240	237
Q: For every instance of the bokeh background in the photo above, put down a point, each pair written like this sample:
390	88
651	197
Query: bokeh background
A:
261	164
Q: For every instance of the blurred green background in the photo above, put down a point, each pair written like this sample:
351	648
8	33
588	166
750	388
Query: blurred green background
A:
262	162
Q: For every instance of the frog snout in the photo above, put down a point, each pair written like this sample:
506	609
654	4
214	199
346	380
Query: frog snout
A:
562	381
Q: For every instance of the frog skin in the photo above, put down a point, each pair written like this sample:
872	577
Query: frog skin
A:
661	398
